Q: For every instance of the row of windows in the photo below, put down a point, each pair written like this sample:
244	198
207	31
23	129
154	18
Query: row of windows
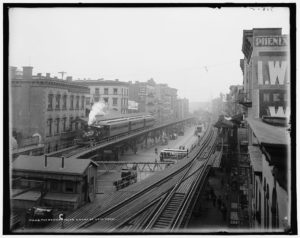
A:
124	91
277	97
61	102
124	101
59	125
68	188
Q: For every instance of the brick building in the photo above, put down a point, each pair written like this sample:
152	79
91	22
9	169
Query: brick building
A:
265	98
113	92
46	107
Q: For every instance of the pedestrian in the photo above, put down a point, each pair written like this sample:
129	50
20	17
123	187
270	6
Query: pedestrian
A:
214	198
224	211
219	201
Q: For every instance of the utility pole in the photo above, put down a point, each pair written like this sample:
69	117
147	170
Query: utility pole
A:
62	74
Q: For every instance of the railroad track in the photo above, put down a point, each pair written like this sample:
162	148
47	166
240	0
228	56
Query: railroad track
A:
160	186
135	223
172	212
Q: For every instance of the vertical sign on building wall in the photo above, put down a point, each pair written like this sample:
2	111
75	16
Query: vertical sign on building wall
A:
272	76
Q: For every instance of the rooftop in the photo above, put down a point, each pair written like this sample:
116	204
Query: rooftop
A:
54	165
100	82
268	134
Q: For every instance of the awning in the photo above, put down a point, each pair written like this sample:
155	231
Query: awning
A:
224	123
29	196
66	197
255	158
268	134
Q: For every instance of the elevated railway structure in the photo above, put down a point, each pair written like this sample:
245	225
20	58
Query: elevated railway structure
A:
110	166
129	138
165	198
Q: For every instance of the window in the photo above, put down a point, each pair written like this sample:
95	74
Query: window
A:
276	97
115	91
77	102
71	102
105	100
64	106
50	101
105	91
49	127
64	123
54	187
122	91
82	102
57	126
57	106
96	90
69	187
70	125
91	185
266	97
87	101
76	124
115	101
96	99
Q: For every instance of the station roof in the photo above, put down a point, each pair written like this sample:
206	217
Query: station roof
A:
268	134
255	158
54	165
224	123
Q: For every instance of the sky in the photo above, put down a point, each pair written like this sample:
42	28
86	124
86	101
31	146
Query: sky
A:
196	50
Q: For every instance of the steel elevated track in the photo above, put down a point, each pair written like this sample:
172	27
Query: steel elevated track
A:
77	151
161	198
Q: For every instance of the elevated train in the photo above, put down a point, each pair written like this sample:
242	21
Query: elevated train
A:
108	127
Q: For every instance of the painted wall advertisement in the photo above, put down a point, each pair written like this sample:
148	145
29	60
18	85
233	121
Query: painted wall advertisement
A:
273	83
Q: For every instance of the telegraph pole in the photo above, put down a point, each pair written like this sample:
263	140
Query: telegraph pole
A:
62	74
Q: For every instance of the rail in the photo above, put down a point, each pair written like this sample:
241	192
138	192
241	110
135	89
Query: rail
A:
175	204
80	151
96	212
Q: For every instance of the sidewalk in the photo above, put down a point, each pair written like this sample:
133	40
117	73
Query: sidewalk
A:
207	215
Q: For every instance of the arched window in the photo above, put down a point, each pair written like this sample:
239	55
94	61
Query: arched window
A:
274	210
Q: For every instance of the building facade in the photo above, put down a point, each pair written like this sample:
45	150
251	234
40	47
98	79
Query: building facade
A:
265	98
182	108
160	100
53	182
113	93
46	107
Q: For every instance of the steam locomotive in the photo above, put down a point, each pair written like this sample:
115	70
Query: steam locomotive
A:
107	127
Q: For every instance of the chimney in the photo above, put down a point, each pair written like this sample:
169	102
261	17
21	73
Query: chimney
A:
69	78
47	75
46	157
117	80
27	72
62	162
39	75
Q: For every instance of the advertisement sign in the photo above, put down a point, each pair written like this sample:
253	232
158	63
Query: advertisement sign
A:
132	105
273	102
263	41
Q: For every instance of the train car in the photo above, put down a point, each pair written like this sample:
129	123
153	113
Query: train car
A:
106	127
137	123
117	127
172	154
149	121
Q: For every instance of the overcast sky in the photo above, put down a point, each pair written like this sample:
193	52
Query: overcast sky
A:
195	50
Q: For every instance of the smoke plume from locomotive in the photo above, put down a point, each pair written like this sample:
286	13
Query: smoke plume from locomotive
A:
99	108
